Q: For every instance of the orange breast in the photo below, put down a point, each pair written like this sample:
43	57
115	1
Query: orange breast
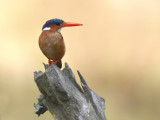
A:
52	45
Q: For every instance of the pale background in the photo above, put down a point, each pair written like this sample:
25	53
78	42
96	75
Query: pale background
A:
117	51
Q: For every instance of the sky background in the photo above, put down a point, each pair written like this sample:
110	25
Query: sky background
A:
117	50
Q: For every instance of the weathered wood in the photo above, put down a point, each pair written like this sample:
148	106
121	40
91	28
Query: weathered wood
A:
64	98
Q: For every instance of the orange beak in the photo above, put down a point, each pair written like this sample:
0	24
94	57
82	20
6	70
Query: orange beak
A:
70	24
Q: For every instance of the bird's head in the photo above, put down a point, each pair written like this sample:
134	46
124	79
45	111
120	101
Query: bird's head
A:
57	24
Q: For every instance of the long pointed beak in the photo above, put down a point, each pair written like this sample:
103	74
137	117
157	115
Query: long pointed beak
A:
70	24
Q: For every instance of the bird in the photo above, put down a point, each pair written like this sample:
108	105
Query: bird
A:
51	41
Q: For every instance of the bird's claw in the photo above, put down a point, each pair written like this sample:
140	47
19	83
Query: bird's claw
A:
51	62
54	62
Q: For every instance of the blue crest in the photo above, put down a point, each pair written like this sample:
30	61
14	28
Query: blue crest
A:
52	21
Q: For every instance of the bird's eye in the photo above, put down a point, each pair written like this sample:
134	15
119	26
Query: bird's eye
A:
58	24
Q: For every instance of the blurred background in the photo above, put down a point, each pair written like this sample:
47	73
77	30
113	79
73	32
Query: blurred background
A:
117	51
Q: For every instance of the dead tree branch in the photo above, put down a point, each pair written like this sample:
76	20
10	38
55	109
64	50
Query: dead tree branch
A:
64	98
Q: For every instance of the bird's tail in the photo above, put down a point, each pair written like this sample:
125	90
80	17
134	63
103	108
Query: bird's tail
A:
59	64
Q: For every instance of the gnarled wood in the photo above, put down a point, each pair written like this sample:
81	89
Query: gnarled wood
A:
64	98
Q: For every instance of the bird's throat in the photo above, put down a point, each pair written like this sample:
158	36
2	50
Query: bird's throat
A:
59	30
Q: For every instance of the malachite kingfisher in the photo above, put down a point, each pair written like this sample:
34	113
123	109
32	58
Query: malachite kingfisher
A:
51	40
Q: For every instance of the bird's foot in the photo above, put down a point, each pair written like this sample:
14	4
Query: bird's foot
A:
51	62
54	62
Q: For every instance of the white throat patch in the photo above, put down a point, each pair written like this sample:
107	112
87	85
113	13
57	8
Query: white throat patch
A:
46	28
59	30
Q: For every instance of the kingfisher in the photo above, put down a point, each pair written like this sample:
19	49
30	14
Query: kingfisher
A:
51	40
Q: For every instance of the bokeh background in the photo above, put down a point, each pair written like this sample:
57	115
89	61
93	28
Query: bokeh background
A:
117	51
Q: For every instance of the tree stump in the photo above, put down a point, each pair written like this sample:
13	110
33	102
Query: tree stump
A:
62	96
